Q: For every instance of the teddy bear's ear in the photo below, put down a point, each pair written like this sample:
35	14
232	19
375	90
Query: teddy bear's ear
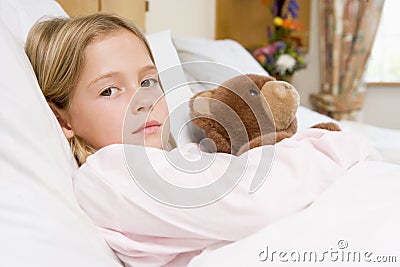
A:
200	103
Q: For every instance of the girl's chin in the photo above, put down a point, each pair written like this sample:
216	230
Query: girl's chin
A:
149	137
147	141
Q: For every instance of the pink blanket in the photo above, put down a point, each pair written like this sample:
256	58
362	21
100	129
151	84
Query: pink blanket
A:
145	232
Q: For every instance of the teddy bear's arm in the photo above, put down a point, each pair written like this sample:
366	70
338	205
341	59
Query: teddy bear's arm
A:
330	126
267	139
221	143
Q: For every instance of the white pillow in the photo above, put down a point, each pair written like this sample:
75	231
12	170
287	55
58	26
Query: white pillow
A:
41	222
229	57
174	83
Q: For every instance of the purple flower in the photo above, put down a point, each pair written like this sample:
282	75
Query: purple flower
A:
275	9
269	32
278	6
279	45
293	8
270	60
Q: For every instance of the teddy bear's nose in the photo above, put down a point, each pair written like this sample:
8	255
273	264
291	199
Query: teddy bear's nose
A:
279	90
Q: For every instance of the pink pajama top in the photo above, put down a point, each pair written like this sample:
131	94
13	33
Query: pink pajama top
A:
142	231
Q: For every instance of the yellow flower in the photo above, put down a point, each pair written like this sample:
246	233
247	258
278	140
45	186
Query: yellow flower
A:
278	21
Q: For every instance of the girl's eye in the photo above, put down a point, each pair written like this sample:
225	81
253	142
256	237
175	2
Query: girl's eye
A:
148	83
110	91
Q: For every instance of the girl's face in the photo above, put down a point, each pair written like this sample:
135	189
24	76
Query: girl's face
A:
119	79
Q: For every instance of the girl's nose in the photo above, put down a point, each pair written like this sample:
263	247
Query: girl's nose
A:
142	101
141	105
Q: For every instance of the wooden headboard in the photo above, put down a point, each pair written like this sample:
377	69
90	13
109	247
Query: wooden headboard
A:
134	10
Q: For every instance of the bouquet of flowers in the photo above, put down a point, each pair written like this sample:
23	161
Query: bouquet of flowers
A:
280	57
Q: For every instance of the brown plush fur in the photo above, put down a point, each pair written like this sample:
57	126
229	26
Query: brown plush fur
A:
330	126
245	112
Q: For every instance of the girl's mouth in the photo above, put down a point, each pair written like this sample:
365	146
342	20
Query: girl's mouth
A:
149	127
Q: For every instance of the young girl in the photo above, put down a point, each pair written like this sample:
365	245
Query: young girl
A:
88	69
95	69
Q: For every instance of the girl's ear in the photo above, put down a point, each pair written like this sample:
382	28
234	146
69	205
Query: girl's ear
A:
62	120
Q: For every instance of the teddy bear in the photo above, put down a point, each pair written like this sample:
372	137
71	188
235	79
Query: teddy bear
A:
248	111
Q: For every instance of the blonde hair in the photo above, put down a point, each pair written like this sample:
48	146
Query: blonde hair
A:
56	48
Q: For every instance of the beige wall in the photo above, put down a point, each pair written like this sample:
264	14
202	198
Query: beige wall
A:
197	18
183	17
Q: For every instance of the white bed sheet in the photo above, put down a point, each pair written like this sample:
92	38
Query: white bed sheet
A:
385	140
360	210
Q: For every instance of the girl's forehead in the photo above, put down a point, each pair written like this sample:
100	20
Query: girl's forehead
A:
114	33
117	43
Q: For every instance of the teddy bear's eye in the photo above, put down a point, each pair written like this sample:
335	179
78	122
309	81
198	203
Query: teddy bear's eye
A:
253	92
